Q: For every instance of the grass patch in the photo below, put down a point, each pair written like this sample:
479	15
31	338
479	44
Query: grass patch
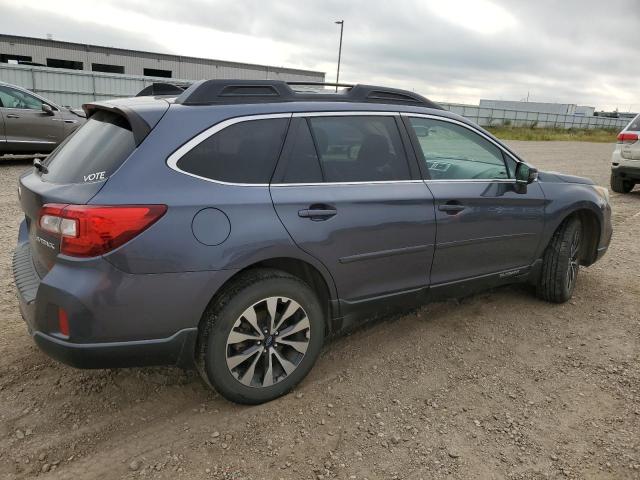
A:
555	134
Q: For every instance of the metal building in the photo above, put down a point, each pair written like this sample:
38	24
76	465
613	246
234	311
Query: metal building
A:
77	56
538	107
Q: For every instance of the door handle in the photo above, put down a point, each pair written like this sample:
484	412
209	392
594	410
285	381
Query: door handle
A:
13	115
318	212
451	208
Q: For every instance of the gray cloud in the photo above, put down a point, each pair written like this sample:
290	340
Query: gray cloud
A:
17	20
572	51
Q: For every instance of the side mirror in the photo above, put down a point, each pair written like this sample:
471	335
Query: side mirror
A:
47	109
525	174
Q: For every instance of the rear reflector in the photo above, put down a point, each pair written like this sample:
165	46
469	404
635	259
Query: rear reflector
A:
627	137
63	322
92	230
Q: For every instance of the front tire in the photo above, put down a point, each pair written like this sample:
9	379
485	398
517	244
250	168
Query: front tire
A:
561	263
261	336
620	185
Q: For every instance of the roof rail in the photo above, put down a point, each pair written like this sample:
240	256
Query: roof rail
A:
322	84
211	92
163	88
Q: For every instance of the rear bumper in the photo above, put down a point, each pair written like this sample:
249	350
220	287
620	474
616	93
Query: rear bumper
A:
178	349
175	350
115	319
627	172
625	167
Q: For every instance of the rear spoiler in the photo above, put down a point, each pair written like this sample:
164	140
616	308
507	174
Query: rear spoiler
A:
142	114
139	126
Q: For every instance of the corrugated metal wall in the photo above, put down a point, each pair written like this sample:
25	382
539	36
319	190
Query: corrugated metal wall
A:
74	87
541	107
134	62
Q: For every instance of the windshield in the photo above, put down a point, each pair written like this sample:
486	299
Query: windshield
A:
93	152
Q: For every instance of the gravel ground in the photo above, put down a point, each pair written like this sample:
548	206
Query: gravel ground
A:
498	385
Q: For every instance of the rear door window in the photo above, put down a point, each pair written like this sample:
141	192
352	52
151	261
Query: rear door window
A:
94	152
245	152
359	148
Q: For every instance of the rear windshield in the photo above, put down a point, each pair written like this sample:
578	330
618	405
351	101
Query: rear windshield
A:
634	126
93	152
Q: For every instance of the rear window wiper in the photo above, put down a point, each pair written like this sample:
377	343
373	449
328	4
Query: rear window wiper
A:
40	166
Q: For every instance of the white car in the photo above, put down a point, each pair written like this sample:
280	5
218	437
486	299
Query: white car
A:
625	161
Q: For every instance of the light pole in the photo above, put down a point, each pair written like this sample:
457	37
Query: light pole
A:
341	23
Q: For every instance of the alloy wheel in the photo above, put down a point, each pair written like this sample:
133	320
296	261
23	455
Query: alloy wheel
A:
267	342
574	264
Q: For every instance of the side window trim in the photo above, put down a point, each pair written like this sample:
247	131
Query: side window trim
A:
416	146
186	147
172	160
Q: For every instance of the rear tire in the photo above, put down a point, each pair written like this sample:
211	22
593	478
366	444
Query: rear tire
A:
260	337
560	262
620	185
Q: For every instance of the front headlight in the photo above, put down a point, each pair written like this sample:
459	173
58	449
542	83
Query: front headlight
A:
602	192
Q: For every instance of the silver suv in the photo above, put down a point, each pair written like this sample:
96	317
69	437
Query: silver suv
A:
32	124
625	161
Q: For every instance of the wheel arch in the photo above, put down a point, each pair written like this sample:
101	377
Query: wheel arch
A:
316	276
591	222
591	229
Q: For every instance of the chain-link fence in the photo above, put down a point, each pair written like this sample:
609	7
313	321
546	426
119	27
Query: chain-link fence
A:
497	117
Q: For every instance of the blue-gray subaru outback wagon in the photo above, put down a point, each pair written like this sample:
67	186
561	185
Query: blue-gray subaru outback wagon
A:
235	226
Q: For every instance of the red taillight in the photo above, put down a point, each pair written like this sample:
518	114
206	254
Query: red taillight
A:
92	230
63	322
627	137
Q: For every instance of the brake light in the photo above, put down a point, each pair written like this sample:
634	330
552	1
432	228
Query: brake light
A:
92	230
627	137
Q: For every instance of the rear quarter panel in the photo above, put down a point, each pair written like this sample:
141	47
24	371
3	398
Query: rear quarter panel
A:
169	245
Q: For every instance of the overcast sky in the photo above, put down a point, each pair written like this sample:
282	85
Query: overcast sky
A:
570	51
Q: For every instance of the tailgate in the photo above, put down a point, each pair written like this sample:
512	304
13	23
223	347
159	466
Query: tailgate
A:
34	193
73	174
